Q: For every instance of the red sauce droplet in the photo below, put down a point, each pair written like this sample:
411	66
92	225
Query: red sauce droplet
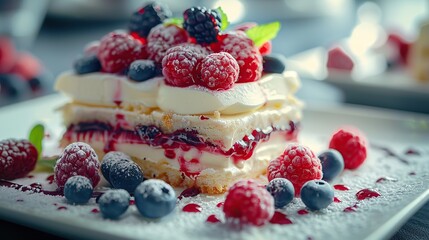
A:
412	152
341	187
169	153
386	179
337	200
62	208
351	208
412	173
36	185
280	218
192	207
202	117
189	192
366	193
30	176
95	210
50	179
302	212
220	205
20	200
132	201
212	219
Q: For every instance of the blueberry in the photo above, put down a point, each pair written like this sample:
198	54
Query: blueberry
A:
125	175
10	85
332	164
87	64
78	189
282	191
114	203
273	64
154	198
141	70
109	159
317	194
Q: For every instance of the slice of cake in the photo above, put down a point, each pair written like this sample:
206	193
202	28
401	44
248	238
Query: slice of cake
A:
192	105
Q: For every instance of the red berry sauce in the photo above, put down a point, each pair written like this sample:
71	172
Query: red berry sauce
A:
212	219
336	200
341	187
50	179
220	205
169	142
302	212
189	192
95	210
366	194
386	179
351	208
62	208
280	218
192	207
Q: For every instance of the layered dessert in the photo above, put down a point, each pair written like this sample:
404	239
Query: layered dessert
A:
191	103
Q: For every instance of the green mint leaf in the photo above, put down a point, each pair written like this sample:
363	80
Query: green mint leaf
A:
174	21
223	19
36	136
263	33
47	164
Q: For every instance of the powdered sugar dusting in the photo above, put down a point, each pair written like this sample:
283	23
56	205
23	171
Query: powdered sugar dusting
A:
331	223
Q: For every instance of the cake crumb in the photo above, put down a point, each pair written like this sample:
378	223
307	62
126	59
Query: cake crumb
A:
216	114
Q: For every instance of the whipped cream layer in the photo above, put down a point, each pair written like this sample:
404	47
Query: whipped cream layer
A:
109	90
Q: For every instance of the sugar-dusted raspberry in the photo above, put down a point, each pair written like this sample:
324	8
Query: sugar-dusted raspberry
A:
118	50
247	55
179	66
219	71
245	26
298	164
248	202
170	34
17	158
157	50
200	50
77	159
352	145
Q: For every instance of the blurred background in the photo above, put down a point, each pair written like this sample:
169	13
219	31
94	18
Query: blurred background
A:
351	51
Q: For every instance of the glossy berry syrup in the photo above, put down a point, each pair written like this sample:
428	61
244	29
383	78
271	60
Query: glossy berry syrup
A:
182	140
212	219
341	187
280	218
192	207
189	192
366	193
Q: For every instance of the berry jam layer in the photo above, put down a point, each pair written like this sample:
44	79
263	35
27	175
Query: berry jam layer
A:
185	150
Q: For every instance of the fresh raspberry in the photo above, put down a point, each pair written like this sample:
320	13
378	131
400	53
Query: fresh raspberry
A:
170	34
8	54
248	203
245	26
200	50
27	66
203	24
17	158
247	55
219	71
180	64
118	50
338	59
77	159
147	17
298	164
157	50
352	144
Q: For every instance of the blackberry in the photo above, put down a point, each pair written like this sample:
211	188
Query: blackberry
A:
202	24
148	17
